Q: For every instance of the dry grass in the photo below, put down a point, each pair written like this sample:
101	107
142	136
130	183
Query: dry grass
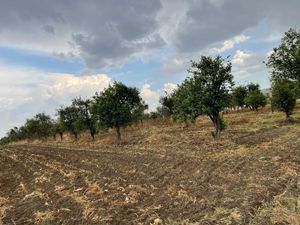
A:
165	173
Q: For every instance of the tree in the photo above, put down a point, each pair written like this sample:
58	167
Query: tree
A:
162	111
71	120
252	87
207	91
139	114
58	128
15	134
117	106
238	96
186	102
284	96
85	116
255	98
284	61
40	126
167	104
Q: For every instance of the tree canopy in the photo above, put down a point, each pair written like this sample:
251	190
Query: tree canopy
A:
284	61
238	96
206	91
284	96
71	119
117	106
86	118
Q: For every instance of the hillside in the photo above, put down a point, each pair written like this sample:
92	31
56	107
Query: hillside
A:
161	173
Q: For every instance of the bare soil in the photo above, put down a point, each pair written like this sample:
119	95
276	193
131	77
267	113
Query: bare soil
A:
163	174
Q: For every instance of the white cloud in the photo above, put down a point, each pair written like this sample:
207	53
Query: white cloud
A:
230	43
67	86
151	97
247	64
240	57
25	92
169	87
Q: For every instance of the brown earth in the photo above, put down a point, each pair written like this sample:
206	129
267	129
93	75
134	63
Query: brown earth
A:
163	174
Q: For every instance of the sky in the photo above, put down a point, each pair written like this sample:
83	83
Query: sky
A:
54	50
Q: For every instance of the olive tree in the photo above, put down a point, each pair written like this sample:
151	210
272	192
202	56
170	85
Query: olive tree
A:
239	94
71	120
86	117
284	96
207	90
284	61
117	106
255	98
186	102
167	104
40	126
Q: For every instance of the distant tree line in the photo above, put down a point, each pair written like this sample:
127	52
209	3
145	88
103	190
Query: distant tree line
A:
209	90
117	106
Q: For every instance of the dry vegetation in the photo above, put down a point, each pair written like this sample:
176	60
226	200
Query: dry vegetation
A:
162	173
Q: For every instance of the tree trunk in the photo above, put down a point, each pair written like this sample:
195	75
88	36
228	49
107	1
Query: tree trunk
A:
216	119
92	132
118	133
76	136
93	135
61	135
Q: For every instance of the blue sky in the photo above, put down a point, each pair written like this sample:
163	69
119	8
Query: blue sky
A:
53	51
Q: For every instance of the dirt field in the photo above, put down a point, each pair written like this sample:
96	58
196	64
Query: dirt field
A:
162	174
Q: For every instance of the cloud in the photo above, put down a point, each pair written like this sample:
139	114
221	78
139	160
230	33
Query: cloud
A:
49	29
151	97
209	22
230	43
25	92
246	64
110	33
169	87
102	33
66	86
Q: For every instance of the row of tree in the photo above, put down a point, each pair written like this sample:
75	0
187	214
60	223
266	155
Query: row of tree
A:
117	106
209	90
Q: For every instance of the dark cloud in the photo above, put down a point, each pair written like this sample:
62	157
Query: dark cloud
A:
110	32
49	29
211	21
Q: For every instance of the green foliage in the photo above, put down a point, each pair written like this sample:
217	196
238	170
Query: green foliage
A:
117	106
139	114
285	60
255	99
4	141
223	126
186	102
238	96
86	118
252	87
206	92
71	119
167	105
40	126
284	96
58	128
